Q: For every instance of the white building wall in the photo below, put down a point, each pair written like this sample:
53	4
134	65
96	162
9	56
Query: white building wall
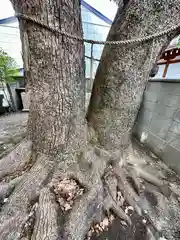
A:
160	71
10	41
173	71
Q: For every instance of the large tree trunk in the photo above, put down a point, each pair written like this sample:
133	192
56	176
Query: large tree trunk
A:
54	71
124	69
55	76
65	180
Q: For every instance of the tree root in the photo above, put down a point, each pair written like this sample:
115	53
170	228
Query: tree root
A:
127	190
127	176
110	204
7	188
46	226
88	209
150	178
16	160
84	212
15	211
102	181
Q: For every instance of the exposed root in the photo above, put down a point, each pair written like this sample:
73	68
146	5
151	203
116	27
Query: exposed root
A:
150	178
14	212
84	185
16	160
110	204
29	223
7	188
46	226
127	190
127	178
112	183
136	181
84	213
120	183
11	143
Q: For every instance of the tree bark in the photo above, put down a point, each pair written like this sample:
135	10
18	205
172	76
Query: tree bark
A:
54	71
71	178
54	67
124	69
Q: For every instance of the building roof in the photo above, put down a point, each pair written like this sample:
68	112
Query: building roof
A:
85	4
7	20
96	12
173	44
171	52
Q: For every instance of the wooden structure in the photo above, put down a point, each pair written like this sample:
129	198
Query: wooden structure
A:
169	63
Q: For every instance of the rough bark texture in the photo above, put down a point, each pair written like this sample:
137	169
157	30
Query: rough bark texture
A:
124	70
73	178
54	71
55	76
16	160
46	226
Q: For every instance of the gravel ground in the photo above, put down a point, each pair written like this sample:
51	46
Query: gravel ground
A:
12	129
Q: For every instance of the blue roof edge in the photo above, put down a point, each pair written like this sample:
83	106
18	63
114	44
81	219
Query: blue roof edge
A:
85	4
7	20
96	12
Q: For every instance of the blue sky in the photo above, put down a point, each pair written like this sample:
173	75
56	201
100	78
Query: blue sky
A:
106	7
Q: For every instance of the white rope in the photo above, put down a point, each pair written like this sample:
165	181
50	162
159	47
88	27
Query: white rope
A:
124	42
151	58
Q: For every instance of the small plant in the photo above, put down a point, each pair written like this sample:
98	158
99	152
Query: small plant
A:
8	70
178	44
8	67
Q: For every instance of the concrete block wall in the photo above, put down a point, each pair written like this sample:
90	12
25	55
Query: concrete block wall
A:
158	120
